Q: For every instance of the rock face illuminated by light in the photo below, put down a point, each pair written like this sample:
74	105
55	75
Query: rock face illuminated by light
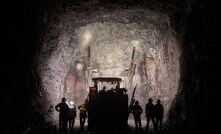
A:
111	35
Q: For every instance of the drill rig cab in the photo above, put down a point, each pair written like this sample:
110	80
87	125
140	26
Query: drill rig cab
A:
108	106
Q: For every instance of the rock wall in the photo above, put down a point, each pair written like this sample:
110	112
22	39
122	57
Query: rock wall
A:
111	31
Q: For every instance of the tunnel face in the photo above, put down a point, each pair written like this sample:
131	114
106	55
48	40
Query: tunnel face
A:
102	41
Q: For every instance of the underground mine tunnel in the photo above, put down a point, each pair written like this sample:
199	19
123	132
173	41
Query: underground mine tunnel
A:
161	47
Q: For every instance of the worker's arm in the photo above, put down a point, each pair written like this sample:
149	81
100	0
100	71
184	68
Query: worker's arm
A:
141	110
57	108
79	107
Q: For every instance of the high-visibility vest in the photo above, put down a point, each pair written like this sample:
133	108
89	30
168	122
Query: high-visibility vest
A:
83	107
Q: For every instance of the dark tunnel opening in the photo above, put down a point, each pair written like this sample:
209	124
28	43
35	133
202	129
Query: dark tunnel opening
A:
26	93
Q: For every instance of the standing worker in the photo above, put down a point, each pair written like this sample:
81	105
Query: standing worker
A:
63	110
83	113
150	114
159	110
137	110
71	115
